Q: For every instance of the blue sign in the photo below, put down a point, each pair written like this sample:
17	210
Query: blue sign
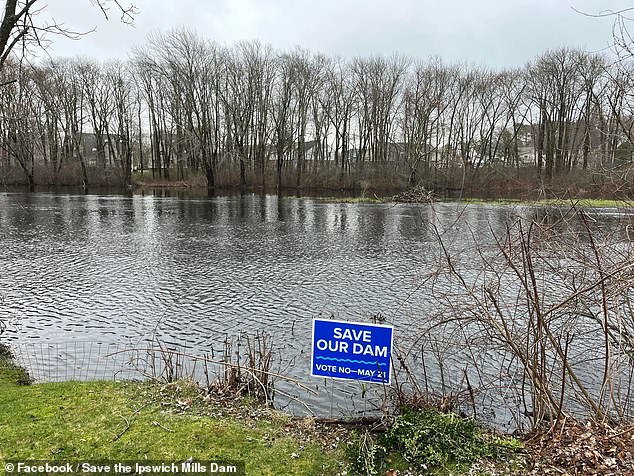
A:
351	351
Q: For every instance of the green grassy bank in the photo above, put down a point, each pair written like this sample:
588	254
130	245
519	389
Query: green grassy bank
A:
73	421
144	421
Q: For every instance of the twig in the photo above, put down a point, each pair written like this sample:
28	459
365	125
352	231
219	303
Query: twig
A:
129	421
227	364
156	423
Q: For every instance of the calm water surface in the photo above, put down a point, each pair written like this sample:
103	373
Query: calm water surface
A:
121	270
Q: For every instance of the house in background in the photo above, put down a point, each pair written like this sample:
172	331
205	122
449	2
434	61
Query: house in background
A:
89	147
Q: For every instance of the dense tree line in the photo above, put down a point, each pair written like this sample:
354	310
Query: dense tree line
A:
250	115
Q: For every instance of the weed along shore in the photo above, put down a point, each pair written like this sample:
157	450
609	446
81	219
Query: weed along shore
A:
151	427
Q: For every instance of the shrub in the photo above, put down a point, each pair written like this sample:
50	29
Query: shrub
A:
427	439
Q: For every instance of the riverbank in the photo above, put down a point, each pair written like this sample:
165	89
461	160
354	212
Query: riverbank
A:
363	179
153	423
174	422
179	190
408	195
131	421
194	186
492	183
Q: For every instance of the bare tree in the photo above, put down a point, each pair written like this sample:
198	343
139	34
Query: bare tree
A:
379	82
337	100
20	25
307	73
98	93
245	96
16	109
225	112
120	126
562	83
189	66
282	111
424	102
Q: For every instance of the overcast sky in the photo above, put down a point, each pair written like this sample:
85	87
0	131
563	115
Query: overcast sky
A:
494	33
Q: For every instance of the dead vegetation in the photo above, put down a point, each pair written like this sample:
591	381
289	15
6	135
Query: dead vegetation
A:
574	448
417	194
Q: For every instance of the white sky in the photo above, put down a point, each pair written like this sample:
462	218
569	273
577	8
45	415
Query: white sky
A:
495	33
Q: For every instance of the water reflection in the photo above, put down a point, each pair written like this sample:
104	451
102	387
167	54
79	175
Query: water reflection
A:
122	269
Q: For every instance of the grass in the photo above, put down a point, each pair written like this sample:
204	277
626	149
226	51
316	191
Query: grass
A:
554	202
144	421
74	421
588	203
350	199
584	203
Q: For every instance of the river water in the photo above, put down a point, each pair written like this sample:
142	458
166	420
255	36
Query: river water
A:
87	272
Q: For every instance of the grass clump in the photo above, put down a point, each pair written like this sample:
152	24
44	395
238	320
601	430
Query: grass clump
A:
351	200
430	441
9	371
550	202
